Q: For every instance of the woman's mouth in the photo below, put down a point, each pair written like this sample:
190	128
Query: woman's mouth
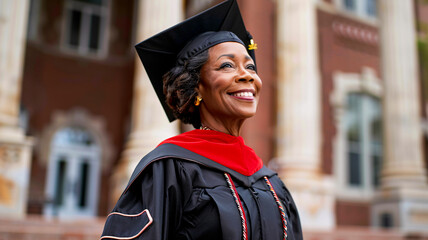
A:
243	94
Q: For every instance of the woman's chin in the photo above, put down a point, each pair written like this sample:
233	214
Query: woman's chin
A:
246	114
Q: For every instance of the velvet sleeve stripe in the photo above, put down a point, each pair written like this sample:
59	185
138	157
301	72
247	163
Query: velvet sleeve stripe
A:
135	225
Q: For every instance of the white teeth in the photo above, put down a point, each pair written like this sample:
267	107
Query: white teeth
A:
243	94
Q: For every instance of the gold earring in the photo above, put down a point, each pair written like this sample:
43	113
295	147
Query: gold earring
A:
198	100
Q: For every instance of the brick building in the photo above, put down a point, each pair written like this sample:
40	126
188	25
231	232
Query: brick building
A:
342	116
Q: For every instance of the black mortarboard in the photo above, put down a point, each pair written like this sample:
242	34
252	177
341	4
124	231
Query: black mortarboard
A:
164	50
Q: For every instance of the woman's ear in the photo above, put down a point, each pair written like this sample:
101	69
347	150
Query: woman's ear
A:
198	89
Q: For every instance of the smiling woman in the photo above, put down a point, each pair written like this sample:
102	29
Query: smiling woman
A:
205	183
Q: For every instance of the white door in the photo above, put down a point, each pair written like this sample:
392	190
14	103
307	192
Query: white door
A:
73	175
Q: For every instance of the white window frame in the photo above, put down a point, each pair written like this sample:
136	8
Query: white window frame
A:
360	12
344	84
87	9
96	125
74	156
365	144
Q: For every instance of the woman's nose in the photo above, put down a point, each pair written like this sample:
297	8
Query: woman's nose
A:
244	75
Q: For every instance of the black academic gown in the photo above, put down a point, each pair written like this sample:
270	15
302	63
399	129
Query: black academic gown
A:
177	194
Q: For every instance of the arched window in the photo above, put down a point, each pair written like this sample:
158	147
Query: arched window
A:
73	174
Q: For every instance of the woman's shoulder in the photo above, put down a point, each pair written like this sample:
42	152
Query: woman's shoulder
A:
167	158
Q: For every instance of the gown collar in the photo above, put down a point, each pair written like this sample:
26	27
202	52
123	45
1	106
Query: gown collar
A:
227	150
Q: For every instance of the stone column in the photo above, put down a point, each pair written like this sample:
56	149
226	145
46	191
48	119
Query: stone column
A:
299	113
403	197
15	147
150	124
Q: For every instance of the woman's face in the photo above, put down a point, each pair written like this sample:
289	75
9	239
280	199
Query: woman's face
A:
229	84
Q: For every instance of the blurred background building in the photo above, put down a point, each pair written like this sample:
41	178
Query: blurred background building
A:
342	117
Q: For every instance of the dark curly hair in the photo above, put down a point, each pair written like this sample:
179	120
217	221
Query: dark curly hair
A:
180	88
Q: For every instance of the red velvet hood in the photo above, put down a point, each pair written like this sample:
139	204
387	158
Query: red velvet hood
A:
228	150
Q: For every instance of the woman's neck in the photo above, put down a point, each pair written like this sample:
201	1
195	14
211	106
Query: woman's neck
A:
229	127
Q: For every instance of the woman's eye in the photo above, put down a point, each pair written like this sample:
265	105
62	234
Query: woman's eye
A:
251	67
226	65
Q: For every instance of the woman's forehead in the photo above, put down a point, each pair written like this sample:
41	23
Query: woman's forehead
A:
228	49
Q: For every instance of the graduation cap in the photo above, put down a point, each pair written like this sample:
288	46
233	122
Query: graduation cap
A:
174	45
